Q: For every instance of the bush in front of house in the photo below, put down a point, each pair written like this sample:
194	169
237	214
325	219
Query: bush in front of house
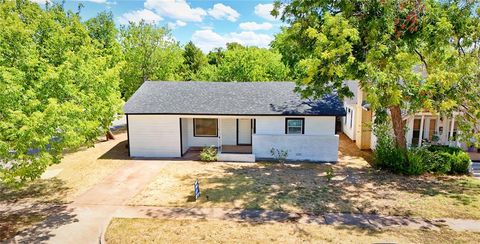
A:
208	154
416	161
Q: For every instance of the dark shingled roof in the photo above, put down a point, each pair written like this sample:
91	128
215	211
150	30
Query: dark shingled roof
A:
228	98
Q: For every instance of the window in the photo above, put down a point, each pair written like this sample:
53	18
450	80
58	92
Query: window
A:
351	118
294	126
205	127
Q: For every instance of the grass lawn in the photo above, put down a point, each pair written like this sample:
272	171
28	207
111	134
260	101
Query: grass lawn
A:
77	172
354	188
221	231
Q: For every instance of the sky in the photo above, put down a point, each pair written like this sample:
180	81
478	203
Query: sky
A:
208	24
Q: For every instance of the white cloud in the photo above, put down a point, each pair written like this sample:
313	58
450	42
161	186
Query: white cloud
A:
253	26
263	10
220	11
139	15
176	9
208	39
41	1
178	23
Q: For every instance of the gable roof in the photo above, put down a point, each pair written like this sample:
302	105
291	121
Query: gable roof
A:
228	98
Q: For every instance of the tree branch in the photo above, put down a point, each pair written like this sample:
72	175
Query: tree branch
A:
422	58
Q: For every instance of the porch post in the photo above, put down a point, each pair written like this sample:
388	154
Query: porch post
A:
451	127
219	141
420	137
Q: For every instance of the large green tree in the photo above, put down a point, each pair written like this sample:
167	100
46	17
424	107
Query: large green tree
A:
57	88
409	55
150	53
239	63
193	61
102	29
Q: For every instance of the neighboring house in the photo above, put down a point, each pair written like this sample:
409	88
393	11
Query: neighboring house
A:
421	127
244	120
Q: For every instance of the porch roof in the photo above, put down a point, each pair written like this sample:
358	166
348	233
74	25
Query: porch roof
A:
228	98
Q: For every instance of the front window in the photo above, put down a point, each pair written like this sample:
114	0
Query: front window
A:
294	126
205	127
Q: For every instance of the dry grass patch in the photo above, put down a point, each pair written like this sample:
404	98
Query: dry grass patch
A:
354	187
222	231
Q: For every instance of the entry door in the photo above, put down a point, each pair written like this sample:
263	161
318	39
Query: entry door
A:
244	131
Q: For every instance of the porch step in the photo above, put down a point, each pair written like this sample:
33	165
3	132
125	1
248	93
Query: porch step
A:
476	169
235	157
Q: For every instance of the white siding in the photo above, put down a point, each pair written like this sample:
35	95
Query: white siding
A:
314	125
348	122
185	144
320	125
299	147
229	131
154	136
270	125
319	143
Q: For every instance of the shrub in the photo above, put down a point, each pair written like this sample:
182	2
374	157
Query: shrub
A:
279	155
208	154
416	161
461	163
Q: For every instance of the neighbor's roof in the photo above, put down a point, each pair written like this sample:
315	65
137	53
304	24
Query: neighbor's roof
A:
228	98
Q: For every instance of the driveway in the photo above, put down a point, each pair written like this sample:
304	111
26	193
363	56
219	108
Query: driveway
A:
91	211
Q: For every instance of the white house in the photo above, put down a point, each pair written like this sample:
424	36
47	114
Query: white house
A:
244	120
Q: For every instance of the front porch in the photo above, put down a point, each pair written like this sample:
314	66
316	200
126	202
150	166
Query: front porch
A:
232	136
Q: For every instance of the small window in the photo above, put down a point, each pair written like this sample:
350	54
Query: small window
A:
294	126
205	127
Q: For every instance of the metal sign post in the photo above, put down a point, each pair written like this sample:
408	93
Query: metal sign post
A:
196	189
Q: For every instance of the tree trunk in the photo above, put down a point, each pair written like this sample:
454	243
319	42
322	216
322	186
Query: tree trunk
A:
110	135
398	126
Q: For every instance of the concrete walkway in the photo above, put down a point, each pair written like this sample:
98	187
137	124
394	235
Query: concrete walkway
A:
84	220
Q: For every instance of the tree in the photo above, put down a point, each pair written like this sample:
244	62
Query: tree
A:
193	60
409	55
57	89
239	63
150	53
215	56
102	29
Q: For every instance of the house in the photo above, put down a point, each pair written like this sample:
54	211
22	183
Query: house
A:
244	120
421	127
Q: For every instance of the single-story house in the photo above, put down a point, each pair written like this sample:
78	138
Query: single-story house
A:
243	120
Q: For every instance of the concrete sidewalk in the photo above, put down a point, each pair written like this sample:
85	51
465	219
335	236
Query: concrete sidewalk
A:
84	220
358	220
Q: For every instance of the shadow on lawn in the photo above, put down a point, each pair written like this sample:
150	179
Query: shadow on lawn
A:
354	188
39	205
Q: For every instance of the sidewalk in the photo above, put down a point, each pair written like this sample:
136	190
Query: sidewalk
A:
357	220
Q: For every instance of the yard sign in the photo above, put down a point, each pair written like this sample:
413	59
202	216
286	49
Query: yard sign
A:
196	189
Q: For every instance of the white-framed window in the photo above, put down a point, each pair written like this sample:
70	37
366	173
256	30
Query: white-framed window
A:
294	126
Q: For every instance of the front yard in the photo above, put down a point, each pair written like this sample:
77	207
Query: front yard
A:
349	186
77	172
354	187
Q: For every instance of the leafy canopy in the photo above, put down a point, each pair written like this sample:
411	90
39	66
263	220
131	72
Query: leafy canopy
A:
50	72
150	54
410	55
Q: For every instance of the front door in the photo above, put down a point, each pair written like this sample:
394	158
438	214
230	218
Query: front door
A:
244	131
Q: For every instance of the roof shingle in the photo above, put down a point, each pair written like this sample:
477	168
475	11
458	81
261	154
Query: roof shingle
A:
228	98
